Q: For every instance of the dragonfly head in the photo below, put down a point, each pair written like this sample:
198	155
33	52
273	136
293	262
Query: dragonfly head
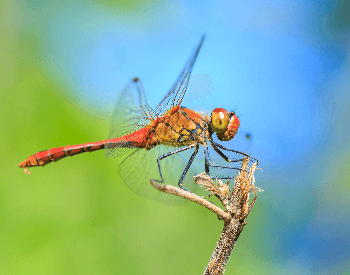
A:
225	124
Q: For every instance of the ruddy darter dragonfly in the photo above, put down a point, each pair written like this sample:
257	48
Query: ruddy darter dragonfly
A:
161	142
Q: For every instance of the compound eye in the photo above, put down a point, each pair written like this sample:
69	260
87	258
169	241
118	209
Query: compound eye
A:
219	120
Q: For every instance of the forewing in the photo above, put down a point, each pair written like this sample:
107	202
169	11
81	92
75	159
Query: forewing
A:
178	90
131	113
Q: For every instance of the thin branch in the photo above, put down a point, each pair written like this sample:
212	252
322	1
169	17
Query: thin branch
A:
192	197
236	203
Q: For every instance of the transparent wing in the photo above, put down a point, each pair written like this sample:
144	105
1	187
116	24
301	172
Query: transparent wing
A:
178	90
131	113
141	166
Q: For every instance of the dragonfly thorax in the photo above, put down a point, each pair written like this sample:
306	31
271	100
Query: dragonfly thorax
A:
179	128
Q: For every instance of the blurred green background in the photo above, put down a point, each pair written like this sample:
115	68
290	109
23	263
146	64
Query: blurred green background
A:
282	65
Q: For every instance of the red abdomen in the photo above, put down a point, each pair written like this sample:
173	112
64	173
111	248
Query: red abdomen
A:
137	139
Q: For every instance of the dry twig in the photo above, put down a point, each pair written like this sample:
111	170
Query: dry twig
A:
236	203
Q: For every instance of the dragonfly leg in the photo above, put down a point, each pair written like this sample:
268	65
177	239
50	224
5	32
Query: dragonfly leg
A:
218	145
188	167
207	159
172	153
217	150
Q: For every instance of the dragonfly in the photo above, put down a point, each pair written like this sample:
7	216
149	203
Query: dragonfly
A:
163	142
